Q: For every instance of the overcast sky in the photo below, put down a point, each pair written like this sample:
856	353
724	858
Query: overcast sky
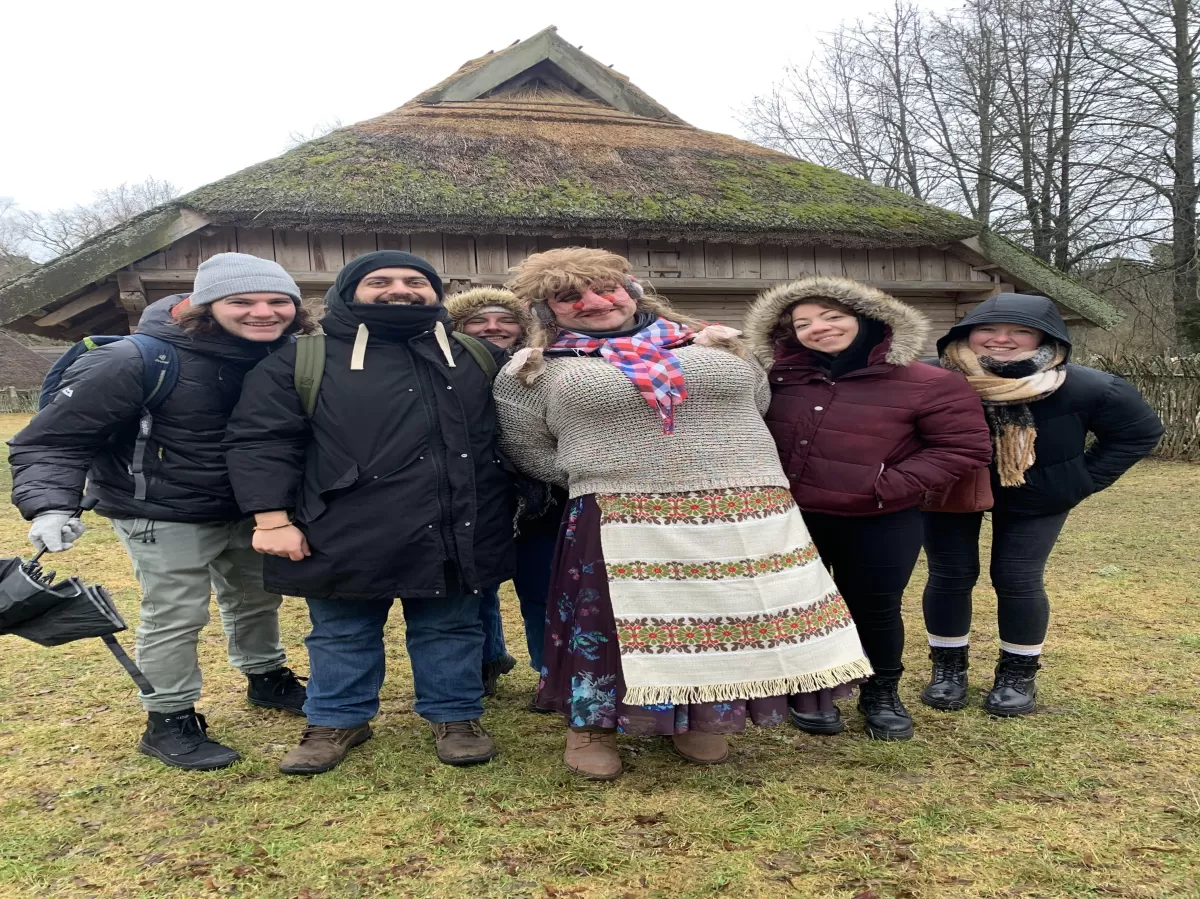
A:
100	93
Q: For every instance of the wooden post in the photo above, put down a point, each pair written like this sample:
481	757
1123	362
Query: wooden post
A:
132	297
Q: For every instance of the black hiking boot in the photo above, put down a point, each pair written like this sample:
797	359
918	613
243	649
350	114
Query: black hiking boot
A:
879	702
1015	690
824	724
947	688
279	689
492	671
180	739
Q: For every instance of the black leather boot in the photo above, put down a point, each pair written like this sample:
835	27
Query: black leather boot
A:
1015	690
493	670
947	688
879	702
279	689
819	723
180	739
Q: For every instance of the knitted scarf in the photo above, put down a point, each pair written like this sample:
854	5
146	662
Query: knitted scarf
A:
645	358
1007	389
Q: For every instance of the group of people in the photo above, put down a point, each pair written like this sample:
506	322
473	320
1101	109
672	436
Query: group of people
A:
703	527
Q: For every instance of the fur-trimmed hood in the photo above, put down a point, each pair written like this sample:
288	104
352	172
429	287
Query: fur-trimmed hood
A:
909	328
462	306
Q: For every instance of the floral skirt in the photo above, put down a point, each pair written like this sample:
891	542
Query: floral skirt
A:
582	674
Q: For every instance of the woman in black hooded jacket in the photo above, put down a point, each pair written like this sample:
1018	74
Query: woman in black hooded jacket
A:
1015	351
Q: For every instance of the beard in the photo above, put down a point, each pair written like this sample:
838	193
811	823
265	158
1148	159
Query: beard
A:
401	299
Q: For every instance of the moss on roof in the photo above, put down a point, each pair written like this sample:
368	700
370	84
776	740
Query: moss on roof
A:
1048	280
545	167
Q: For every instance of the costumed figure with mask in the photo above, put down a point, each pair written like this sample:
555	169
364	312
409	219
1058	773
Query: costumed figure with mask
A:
686	596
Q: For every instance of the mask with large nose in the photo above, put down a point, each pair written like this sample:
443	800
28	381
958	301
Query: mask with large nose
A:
596	309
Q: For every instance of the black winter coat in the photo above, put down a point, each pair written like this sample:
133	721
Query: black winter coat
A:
395	475
89	433
1066	471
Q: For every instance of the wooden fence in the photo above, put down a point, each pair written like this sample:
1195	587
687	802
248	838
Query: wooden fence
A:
1172	387
13	400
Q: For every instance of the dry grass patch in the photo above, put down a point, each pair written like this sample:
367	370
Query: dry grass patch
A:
1098	795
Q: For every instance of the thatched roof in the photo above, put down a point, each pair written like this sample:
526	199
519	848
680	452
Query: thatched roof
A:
20	367
545	152
536	139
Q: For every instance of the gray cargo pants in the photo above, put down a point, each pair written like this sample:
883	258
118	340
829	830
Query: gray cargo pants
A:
179	566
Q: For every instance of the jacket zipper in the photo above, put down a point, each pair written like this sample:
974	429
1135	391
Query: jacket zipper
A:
431	417
877	477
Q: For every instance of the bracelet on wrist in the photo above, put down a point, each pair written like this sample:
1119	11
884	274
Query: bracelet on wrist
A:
274	527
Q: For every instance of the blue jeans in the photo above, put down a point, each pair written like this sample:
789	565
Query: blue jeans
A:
535	557
346	658
493	627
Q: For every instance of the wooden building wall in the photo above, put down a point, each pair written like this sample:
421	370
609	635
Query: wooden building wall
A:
714	281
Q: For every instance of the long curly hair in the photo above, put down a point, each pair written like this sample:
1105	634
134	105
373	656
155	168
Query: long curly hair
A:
546	275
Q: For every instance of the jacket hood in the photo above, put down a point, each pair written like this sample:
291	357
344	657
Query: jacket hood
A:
463	305
909	327
1013	308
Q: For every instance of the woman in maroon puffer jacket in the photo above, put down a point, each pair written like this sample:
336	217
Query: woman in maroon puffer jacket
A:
864	431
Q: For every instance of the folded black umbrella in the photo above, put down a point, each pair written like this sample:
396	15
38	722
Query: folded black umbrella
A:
51	614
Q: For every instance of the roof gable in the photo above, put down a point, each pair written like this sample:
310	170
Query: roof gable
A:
550	59
20	367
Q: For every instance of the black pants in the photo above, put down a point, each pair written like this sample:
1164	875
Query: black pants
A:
871	560
1020	547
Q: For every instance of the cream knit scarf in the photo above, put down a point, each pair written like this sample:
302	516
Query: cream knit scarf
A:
1006	389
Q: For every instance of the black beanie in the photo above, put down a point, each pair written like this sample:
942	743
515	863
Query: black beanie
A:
353	272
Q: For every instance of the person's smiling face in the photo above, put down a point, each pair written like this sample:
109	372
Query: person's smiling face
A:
1004	341
396	287
821	328
258	317
495	326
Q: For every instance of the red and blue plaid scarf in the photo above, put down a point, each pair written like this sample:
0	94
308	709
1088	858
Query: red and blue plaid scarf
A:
645	358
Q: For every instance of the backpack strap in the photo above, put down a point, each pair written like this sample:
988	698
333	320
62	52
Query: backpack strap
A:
160	374
310	368
481	354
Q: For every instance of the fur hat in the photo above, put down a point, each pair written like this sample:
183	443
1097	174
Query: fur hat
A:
463	306
543	276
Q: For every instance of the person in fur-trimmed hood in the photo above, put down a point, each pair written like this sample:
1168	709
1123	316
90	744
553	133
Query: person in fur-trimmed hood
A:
863	431
1015	352
503	319
688	596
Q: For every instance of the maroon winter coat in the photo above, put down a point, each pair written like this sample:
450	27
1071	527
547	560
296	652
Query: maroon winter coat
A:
878	438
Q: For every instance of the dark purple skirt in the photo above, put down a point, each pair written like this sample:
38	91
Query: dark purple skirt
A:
581	659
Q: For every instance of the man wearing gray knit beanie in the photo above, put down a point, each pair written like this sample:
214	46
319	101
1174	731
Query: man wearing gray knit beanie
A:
155	464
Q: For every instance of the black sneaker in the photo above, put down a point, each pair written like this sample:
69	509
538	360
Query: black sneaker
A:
1015	690
947	688
493	670
879	701
279	689
180	739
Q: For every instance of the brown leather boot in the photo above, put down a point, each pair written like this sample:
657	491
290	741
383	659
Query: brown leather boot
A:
322	749
701	749
462	742
593	755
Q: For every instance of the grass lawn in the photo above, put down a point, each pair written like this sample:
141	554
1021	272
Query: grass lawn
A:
1097	795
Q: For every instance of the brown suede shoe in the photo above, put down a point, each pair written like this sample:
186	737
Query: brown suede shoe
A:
322	749
462	742
593	755
701	749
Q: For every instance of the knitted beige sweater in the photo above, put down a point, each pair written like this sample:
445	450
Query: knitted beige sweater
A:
584	426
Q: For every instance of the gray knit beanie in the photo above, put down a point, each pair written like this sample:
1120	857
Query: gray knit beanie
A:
228	273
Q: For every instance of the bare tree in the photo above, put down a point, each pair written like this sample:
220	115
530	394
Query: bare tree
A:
997	110
296	138
60	230
1148	49
13	258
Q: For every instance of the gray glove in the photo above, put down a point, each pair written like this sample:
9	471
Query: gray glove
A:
55	531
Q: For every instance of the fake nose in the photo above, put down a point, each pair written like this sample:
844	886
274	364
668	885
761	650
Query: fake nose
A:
593	302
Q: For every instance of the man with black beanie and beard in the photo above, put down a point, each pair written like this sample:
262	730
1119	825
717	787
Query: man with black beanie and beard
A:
372	477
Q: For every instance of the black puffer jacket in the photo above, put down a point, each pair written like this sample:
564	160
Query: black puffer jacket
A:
396	473
89	434
1065	471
